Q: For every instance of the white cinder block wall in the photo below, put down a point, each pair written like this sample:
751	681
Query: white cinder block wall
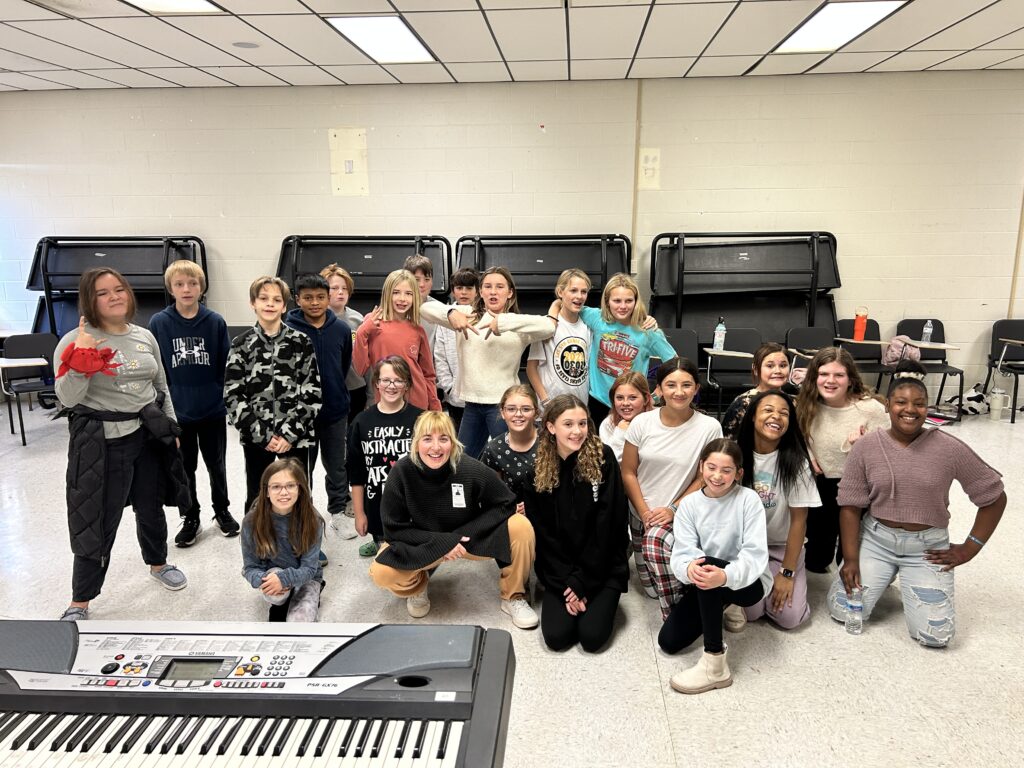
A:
919	175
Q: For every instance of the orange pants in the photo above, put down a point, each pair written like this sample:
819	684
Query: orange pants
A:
512	580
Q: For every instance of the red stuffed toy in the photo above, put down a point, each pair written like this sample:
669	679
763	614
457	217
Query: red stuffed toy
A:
88	361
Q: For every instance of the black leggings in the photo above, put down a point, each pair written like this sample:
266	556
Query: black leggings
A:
591	629
700	612
823	528
598	410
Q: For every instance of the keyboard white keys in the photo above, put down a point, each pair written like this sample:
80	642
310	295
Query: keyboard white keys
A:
454	741
290	757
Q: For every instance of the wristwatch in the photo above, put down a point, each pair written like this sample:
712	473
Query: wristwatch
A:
787	573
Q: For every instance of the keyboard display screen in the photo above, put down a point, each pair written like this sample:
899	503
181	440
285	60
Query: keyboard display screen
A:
193	669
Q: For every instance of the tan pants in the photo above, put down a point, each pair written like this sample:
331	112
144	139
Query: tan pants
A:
512	581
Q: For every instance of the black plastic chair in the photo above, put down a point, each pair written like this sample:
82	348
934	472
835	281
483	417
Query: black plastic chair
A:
803	343
1008	359
36	379
867	356
733	372
934	360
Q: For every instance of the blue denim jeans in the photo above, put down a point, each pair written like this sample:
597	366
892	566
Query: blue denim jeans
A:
480	422
886	553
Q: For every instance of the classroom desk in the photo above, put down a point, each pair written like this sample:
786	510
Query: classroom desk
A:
727	353
877	342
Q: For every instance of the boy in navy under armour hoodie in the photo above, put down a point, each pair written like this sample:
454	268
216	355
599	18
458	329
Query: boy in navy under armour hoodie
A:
332	344
194	350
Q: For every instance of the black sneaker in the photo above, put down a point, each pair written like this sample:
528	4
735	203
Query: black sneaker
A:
228	524
190	528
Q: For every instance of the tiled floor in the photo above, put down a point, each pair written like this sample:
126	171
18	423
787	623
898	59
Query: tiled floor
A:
811	697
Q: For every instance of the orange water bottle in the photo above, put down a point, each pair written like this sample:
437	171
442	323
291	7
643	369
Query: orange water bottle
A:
860	323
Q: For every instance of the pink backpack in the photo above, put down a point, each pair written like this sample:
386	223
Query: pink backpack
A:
899	349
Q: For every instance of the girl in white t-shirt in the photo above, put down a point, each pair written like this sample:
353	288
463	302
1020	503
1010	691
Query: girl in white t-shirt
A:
774	447
630	396
659	467
559	365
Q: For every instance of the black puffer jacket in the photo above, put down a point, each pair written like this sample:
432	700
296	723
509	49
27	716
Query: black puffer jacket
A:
85	475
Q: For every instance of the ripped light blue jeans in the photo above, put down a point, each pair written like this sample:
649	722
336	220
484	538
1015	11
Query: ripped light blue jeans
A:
927	591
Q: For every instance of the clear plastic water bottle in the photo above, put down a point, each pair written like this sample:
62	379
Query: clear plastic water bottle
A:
926	334
719	342
855	611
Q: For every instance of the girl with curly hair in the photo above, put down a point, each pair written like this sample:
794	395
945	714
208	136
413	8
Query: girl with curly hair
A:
577	506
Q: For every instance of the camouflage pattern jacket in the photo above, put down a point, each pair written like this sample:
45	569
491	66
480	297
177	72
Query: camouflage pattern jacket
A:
272	386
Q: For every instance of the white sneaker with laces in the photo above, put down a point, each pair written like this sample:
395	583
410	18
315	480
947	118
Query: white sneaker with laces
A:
523	616
344	527
418	606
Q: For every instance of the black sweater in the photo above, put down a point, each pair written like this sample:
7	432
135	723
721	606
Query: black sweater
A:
422	523
581	530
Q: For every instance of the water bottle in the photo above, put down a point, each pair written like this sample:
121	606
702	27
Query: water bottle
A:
926	334
855	611
719	342
996	403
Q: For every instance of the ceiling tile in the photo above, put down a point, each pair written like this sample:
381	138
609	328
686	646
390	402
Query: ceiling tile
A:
419	73
303	75
222	31
87	9
539	70
244	75
311	37
911	61
16	40
851	62
19	10
787	63
756	28
365	74
599	69
513	4
455	36
1013	41
594	3
78	34
28	82
133	78
976	60
161	36
435	5
529	35
480	72
18	63
681	30
7	87
262	6
983	27
721	66
188	77
605	33
912	23
1017	63
78	79
350	6
652	68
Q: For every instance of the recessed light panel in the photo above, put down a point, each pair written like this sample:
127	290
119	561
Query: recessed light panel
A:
385	39
836	24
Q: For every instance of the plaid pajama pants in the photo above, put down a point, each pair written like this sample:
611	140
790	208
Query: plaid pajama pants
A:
652	554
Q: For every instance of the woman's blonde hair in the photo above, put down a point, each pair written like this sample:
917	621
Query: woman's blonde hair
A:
304	524
569	274
808	400
428	423
334	270
622	280
589	458
391	282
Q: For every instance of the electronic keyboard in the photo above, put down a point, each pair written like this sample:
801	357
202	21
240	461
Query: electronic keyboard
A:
240	695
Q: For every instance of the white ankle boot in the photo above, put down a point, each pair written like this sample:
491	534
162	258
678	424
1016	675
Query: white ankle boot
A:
711	671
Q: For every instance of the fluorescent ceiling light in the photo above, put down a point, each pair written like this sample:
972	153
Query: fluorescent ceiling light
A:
385	39
835	25
176	6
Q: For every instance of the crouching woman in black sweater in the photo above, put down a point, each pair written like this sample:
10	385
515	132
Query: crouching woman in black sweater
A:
577	506
440	505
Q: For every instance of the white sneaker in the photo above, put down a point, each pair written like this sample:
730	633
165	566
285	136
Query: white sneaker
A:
734	619
350	510
418	606
523	616
344	527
